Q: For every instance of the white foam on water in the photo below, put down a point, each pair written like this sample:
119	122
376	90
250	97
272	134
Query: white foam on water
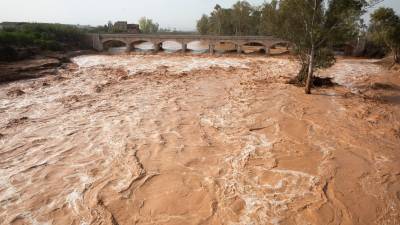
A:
267	202
135	64
347	72
72	199
8	191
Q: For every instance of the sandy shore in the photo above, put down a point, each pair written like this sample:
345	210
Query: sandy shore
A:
200	140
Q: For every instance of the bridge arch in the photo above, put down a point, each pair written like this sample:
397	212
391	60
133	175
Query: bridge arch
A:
226	42
174	45
226	45
254	43
107	40
145	44
113	43
254	47
279	47
275	43
198	45
136	41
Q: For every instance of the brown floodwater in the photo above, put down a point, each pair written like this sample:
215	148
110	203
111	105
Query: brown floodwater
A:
173	139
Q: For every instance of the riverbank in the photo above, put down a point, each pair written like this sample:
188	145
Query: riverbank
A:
43	64
173	139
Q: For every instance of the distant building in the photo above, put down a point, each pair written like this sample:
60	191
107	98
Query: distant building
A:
133	28
123	26
120	26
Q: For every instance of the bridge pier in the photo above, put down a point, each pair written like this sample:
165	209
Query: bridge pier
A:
157	47
184	47
97	44
100	47
239	49
129	48
267	51
212	48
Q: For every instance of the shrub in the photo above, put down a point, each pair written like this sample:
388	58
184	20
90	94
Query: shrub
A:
8	54
45	36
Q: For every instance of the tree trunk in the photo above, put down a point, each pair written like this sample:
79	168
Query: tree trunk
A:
310	71
396	54
302	75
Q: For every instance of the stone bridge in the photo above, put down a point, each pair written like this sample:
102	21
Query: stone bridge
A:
266	42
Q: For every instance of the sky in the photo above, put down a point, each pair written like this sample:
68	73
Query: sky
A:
179	14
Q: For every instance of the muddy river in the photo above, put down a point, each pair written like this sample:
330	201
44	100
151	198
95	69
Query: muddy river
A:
172	139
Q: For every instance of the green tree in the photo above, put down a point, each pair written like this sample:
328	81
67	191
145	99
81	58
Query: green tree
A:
313	26
203	25
220	21
241	17
255	24
385	29
147	26
227	27
269	18
216	19
42	35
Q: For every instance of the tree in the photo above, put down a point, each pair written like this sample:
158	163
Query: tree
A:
147	26
385	29
313	26
110	26
202	25
269	18
220	21
241	17
255	24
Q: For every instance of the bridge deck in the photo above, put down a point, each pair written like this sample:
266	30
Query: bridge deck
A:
181	36
158	39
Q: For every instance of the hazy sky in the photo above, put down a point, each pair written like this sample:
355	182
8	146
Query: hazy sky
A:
180	14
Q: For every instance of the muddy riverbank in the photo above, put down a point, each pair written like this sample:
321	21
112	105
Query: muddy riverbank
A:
39	65
173	139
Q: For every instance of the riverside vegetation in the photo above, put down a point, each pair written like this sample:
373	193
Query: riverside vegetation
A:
315	27
35	36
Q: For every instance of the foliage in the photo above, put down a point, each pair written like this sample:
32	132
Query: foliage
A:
101	29
343	20
314	27
220	21
240	19
45	36
373	49
147	26
385	30
8	53
202	25
269	18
